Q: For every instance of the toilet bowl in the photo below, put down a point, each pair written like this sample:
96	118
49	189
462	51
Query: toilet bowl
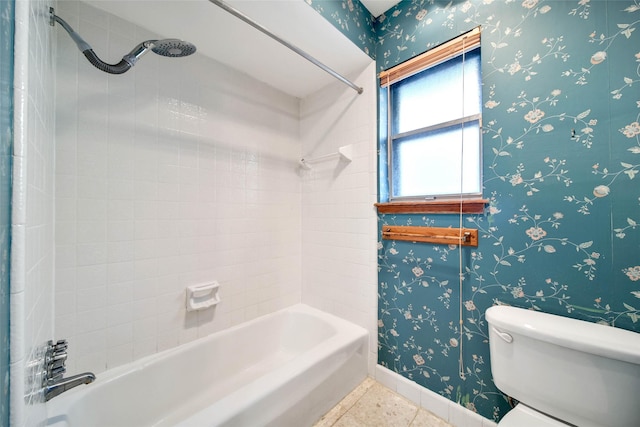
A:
564	372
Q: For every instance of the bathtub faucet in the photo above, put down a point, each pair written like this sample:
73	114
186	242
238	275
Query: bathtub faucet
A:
55	387
53	381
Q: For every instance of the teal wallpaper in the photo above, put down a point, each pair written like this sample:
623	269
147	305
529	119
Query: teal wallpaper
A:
6	147
561	96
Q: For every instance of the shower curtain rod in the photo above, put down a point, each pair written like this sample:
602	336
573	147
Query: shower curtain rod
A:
297	50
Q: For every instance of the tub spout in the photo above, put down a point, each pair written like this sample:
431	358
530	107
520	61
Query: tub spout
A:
54	387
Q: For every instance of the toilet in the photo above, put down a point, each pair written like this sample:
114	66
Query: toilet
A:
564	372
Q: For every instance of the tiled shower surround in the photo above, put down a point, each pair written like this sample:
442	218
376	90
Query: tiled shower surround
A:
180	172
183	171
32	228
166	177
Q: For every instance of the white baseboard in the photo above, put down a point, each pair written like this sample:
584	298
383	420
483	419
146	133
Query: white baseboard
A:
444	408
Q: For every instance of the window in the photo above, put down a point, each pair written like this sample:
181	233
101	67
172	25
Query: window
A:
433	130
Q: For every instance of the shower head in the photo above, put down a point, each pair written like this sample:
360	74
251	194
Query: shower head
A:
173	48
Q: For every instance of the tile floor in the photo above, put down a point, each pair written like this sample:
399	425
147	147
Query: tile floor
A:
373	405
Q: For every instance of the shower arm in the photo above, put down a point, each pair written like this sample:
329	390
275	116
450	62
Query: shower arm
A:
125	63
297	50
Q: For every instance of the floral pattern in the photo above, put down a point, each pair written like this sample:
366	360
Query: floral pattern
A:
561	145
561	157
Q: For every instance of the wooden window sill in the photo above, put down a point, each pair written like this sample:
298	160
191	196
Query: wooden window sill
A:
469	206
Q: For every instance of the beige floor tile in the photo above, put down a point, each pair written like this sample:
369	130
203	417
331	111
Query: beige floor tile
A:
373	405
427	419
349	420
380	407
358	392
330	418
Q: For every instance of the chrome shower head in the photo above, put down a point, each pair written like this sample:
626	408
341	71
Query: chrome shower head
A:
173	48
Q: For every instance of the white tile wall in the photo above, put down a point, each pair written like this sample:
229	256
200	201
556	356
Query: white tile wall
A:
166	177
444	408
339	237
32	210
179	172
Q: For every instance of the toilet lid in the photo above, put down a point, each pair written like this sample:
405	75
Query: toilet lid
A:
523	416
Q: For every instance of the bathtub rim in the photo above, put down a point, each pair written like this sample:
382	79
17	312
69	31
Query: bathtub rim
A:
57	409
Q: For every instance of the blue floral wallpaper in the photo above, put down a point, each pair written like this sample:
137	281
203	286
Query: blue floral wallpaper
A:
6	144
561	147
561	234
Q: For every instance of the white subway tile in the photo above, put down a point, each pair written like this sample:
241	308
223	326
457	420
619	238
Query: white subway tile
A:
120	293
90	254
118	210
120	251
386	377
85	232
90	321
91	299
120	231
91	209
119	272
409	389
92	342
119	335
91	189
435	403
144	347
120	355
462	417
65	280
95	362
91	276
118	314
120	189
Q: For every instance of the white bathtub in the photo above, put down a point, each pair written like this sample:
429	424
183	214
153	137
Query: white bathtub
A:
284	369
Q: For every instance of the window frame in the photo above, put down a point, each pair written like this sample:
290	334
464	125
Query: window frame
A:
449	50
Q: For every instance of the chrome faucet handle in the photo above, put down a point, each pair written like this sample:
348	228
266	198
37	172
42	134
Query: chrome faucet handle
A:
56	351
59	356
57	373
60	346
55	359
58	361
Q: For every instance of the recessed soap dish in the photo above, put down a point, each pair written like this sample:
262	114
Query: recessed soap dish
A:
200	297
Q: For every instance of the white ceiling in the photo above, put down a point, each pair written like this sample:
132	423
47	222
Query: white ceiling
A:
378	7
220	35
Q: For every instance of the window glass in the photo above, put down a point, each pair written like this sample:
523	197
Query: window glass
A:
437	94
431	163
435	133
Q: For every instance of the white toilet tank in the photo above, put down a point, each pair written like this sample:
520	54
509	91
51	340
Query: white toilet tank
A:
582	373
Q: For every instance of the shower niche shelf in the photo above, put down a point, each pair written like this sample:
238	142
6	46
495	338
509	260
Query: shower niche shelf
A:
344	154
201	297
